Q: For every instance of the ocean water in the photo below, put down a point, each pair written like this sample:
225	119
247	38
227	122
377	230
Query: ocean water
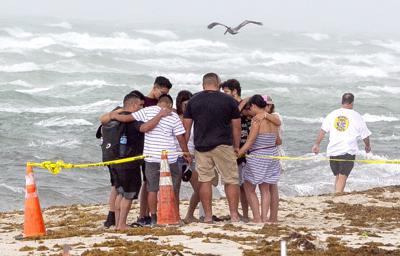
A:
57	77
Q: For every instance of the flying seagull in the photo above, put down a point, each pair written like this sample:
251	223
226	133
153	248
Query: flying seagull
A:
234	30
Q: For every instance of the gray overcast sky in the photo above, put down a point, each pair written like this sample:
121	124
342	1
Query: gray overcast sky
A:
373	16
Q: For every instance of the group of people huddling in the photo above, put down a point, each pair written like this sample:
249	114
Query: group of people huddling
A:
210	134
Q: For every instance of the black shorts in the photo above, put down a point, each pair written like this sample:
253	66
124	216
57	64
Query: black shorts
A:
343	168
112	175
128	182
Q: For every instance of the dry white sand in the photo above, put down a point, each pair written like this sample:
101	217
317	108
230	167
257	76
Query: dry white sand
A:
359	223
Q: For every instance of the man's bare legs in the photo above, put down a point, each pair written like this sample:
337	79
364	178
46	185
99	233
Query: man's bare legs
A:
194	199
111	199
265	201
244	204
232	192
125	206
273	215
144	207
252	199
205	193
340	183
152	201
117	209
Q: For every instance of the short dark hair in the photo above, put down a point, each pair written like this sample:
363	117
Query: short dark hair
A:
132	96
257	100
138	94
347	98
180	98
166	98
211	78
163	82
232	84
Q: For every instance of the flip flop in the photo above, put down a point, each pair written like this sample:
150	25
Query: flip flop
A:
136	225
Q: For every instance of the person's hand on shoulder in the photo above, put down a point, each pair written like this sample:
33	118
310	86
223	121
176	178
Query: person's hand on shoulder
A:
258	117
165	112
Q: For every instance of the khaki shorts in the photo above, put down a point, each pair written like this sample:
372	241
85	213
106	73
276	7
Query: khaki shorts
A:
222	159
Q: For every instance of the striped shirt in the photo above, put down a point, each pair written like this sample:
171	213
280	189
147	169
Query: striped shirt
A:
162	136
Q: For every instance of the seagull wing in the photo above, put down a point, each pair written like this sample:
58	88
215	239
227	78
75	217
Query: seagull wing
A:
244	23
215	24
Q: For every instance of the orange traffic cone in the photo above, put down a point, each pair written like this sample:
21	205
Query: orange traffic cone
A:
33	223
167	210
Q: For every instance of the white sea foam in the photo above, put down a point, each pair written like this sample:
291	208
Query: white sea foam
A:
94	107
63	121
20	83
159	33
17	32
364	71
13	189
183	78
64	25
317	36
33	90
389	44
270	77
62	143
388	138
93	83
274	58
385	89
175	63
21	67
356	43
307	120
369	118
62	54
30	44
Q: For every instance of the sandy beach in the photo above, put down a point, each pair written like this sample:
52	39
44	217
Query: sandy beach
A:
358	223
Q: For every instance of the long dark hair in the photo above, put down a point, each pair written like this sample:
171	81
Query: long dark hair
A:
180	98
257	100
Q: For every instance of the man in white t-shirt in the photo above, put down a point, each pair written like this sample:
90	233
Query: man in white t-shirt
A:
345	127
155	141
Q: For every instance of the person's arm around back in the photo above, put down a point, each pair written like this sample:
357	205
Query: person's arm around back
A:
152	123
105	118
236	132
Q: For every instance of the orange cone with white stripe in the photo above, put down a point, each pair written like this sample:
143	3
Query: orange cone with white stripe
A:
33	223
167	209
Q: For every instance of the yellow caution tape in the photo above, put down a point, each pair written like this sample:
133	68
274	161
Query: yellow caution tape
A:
365	161
56	167
315	158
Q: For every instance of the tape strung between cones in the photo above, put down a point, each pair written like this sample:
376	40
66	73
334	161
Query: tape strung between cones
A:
365	161
56	167
315	158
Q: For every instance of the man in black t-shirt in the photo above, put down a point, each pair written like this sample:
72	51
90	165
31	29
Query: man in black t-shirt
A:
216	120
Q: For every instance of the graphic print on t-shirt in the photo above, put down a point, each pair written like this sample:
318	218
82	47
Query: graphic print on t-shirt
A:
341	123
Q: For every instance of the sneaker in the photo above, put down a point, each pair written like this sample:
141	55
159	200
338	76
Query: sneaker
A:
141	221
148	220
110	220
